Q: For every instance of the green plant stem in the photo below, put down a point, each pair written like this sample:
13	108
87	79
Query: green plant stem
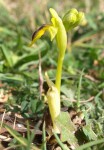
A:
59	73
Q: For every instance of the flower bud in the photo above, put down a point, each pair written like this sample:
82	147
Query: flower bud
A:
72	19
53	100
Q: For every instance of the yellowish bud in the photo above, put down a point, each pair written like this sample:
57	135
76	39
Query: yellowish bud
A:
54	105
53	99
72	19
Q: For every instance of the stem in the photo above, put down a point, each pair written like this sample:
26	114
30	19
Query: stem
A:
59	73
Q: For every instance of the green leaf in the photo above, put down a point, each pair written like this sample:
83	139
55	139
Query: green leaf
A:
7	31
87	145
44	138
88	35
67	129
91	22
26	59
33	56
89	132
11	78
19	138
8	55
16	135
24	106
68	92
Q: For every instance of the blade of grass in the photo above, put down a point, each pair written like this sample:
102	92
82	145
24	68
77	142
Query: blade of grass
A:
59	141
83	45
7	31
44	138
28	136
11	78
16	135
87	145
7	54
79	89
87	36
29	58
12	147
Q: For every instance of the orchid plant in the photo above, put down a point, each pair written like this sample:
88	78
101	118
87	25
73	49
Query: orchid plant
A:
57	29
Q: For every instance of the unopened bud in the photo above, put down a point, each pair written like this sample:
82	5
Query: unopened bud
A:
53	99
72	19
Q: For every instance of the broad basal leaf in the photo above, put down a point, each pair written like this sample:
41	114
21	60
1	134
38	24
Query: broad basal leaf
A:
89	132
67	129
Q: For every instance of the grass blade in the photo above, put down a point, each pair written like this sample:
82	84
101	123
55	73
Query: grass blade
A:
16	135
44	138
87	145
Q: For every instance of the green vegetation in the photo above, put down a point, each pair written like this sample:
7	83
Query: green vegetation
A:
25	121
